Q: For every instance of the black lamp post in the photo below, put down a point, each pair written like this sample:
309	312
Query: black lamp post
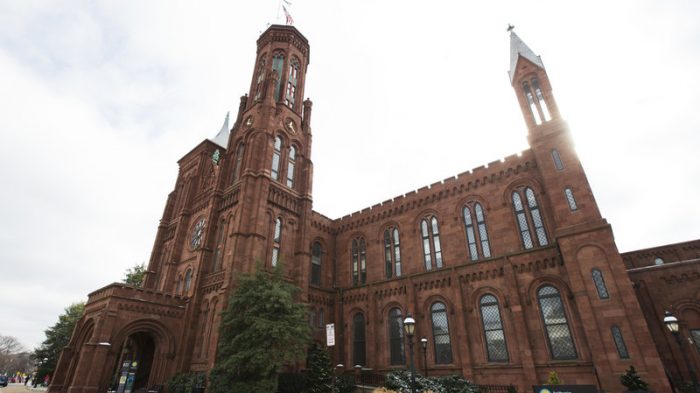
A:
671	323
409	325
424	344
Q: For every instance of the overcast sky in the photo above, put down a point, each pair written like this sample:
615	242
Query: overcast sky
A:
99	99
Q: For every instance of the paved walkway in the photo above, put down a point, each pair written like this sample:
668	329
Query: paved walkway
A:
20	388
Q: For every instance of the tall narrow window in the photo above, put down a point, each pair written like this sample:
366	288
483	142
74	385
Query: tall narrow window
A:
441	334
276	154
359	262
619	342
178	287
570	198
392	253
522	221
493	329
238	163
259	82
188	282
531	103
277	64
316	264
358	339
432	250
219	247
561	344
540	100
321	320
558	164
291	163
536	217
396	347
600	284
292	82
276	241
473	223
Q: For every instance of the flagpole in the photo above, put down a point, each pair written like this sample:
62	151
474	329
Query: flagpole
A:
279	9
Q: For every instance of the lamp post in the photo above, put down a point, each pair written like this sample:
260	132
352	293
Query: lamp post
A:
424	344
671	323
409	325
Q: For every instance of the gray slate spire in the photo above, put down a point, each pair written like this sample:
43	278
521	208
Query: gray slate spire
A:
519	48
221	138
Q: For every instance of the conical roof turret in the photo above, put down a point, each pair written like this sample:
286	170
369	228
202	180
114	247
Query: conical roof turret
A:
517	49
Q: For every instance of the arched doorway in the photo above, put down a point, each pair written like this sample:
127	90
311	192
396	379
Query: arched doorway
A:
133	368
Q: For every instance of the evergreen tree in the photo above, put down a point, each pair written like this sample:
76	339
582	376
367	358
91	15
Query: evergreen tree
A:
135	275
262	329
632	380
320	375
57	337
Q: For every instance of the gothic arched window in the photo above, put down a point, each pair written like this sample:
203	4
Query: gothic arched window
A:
359	261
476	223
392	252
358	339
178	286
441	334
430	234
276	242
260	79
561	344
291	163
540	100
619	342
276	157
316	252
558	164
188	282
531	103
600	284
292	82
219	246
570	198
535	218
277	64
396	346
238	162
493	329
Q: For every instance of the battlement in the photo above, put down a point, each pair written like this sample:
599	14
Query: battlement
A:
463	182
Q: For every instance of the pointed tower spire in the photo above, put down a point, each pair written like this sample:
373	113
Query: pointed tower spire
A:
221	138
517	49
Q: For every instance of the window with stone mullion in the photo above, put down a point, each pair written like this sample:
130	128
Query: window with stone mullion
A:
561	344
493	329
316	264
276	242
355	263
536	217
358	339
471	237
483	233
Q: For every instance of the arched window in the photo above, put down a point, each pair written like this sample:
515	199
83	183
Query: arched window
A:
316	252
292	82
219	246
291	163
188	282
558	164
321	322
658	261
276	154
261	78
238	163
493	329
535	218
277	64
531	103
561	344
178	286
478	221
619	342
392	252
441	334
600	284
432	250
570	198
359	262
358	339
276	242
396	347
540	100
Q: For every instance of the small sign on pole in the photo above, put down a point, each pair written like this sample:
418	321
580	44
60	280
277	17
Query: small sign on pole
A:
330	334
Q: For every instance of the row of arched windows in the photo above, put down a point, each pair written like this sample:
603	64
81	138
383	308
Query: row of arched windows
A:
277	156
552	312
292	82
183	285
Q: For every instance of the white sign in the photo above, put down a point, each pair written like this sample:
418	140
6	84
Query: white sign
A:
330	334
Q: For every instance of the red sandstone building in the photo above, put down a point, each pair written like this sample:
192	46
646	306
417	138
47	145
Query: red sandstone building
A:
509	269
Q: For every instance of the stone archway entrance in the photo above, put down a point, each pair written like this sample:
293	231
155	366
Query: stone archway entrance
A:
132	371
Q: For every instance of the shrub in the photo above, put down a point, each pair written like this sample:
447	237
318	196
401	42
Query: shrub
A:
400	381
291	383
345	384
632	381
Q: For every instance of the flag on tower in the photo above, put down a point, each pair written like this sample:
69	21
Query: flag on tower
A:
290	20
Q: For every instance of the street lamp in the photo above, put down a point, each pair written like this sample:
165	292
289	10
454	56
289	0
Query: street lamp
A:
671	323
409	325
424	344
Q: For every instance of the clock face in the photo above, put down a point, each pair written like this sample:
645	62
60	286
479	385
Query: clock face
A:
197	233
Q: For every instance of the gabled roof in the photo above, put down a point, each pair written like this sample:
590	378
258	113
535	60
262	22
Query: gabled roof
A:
221	138
519	48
